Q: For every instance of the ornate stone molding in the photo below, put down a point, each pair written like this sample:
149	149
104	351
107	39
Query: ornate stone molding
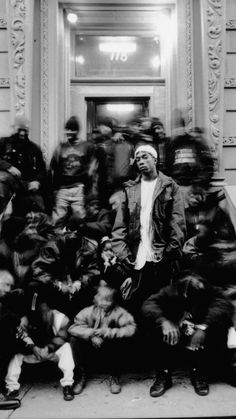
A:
229	141
17	41
4	82
44	79
231	24
3	23
215	33
188	16
230	82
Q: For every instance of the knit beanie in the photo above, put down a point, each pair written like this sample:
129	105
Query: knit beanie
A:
72	124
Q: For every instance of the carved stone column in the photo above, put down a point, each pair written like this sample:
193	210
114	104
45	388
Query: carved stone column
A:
213	17
20	15
52	83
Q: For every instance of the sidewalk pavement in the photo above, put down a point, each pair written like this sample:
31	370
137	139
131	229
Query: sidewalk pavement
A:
44	400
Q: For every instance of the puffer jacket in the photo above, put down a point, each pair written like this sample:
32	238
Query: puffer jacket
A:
118	321
167	217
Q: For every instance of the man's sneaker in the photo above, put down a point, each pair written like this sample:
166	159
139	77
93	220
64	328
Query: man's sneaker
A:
114	384
12	394
8	404
162	382
79	385
199	383
68	394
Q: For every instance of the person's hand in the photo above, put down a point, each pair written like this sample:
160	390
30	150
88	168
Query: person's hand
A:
197	340
14	171
75	287
33	186
38	352
96	341
170	332
65	289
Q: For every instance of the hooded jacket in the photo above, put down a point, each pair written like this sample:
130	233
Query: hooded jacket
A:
167	217
118	321
207	305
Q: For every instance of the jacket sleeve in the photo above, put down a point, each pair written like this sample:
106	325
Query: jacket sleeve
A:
177	223
54	168
120	229
220	312
4	165
42	266
126	327
40	166
81	328
98	229
154	308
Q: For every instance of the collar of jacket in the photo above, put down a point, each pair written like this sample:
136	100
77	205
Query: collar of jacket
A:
164	181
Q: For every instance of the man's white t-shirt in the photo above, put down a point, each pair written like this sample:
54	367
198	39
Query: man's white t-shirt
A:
145	253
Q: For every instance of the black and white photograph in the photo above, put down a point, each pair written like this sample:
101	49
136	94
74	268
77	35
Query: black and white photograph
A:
117	209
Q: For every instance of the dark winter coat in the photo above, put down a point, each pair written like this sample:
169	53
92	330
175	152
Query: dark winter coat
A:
167	217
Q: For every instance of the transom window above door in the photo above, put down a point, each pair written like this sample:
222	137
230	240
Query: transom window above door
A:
117	56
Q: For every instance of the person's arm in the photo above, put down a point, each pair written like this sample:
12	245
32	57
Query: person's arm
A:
120	229
42	266
177	224
126	327
81	327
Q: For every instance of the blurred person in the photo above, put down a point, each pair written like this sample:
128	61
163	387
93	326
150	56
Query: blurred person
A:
47	330
71	169
149	229
13	338
103	328
193	315
189	160
23	159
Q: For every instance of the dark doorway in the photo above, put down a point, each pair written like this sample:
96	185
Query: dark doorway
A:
121	110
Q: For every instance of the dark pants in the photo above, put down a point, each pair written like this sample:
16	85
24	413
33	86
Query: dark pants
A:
214	355
110	354
149	280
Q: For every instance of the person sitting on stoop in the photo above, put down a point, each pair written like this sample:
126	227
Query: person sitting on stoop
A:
47	329
101	328
194	315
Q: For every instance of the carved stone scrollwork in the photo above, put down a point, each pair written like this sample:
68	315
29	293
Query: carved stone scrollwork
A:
230	82
17	37
44	82
3	23
229	141
188	15
214	32
4	82
231	24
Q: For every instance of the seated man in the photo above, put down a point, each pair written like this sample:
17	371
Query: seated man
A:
198	316
48	332
102	327
12	338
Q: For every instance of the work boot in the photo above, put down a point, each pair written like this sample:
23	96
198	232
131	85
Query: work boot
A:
162	382
114	384
68	394
10	404
12	394
79	385
199	383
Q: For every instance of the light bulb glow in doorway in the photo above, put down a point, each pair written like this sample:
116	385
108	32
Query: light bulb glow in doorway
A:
120	107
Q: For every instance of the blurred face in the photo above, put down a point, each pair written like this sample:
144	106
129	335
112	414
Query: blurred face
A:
105	298
22	134
196	198
6	282
93	209
146	163
71	135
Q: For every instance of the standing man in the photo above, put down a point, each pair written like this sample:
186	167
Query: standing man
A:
22	159
71	169
149	228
